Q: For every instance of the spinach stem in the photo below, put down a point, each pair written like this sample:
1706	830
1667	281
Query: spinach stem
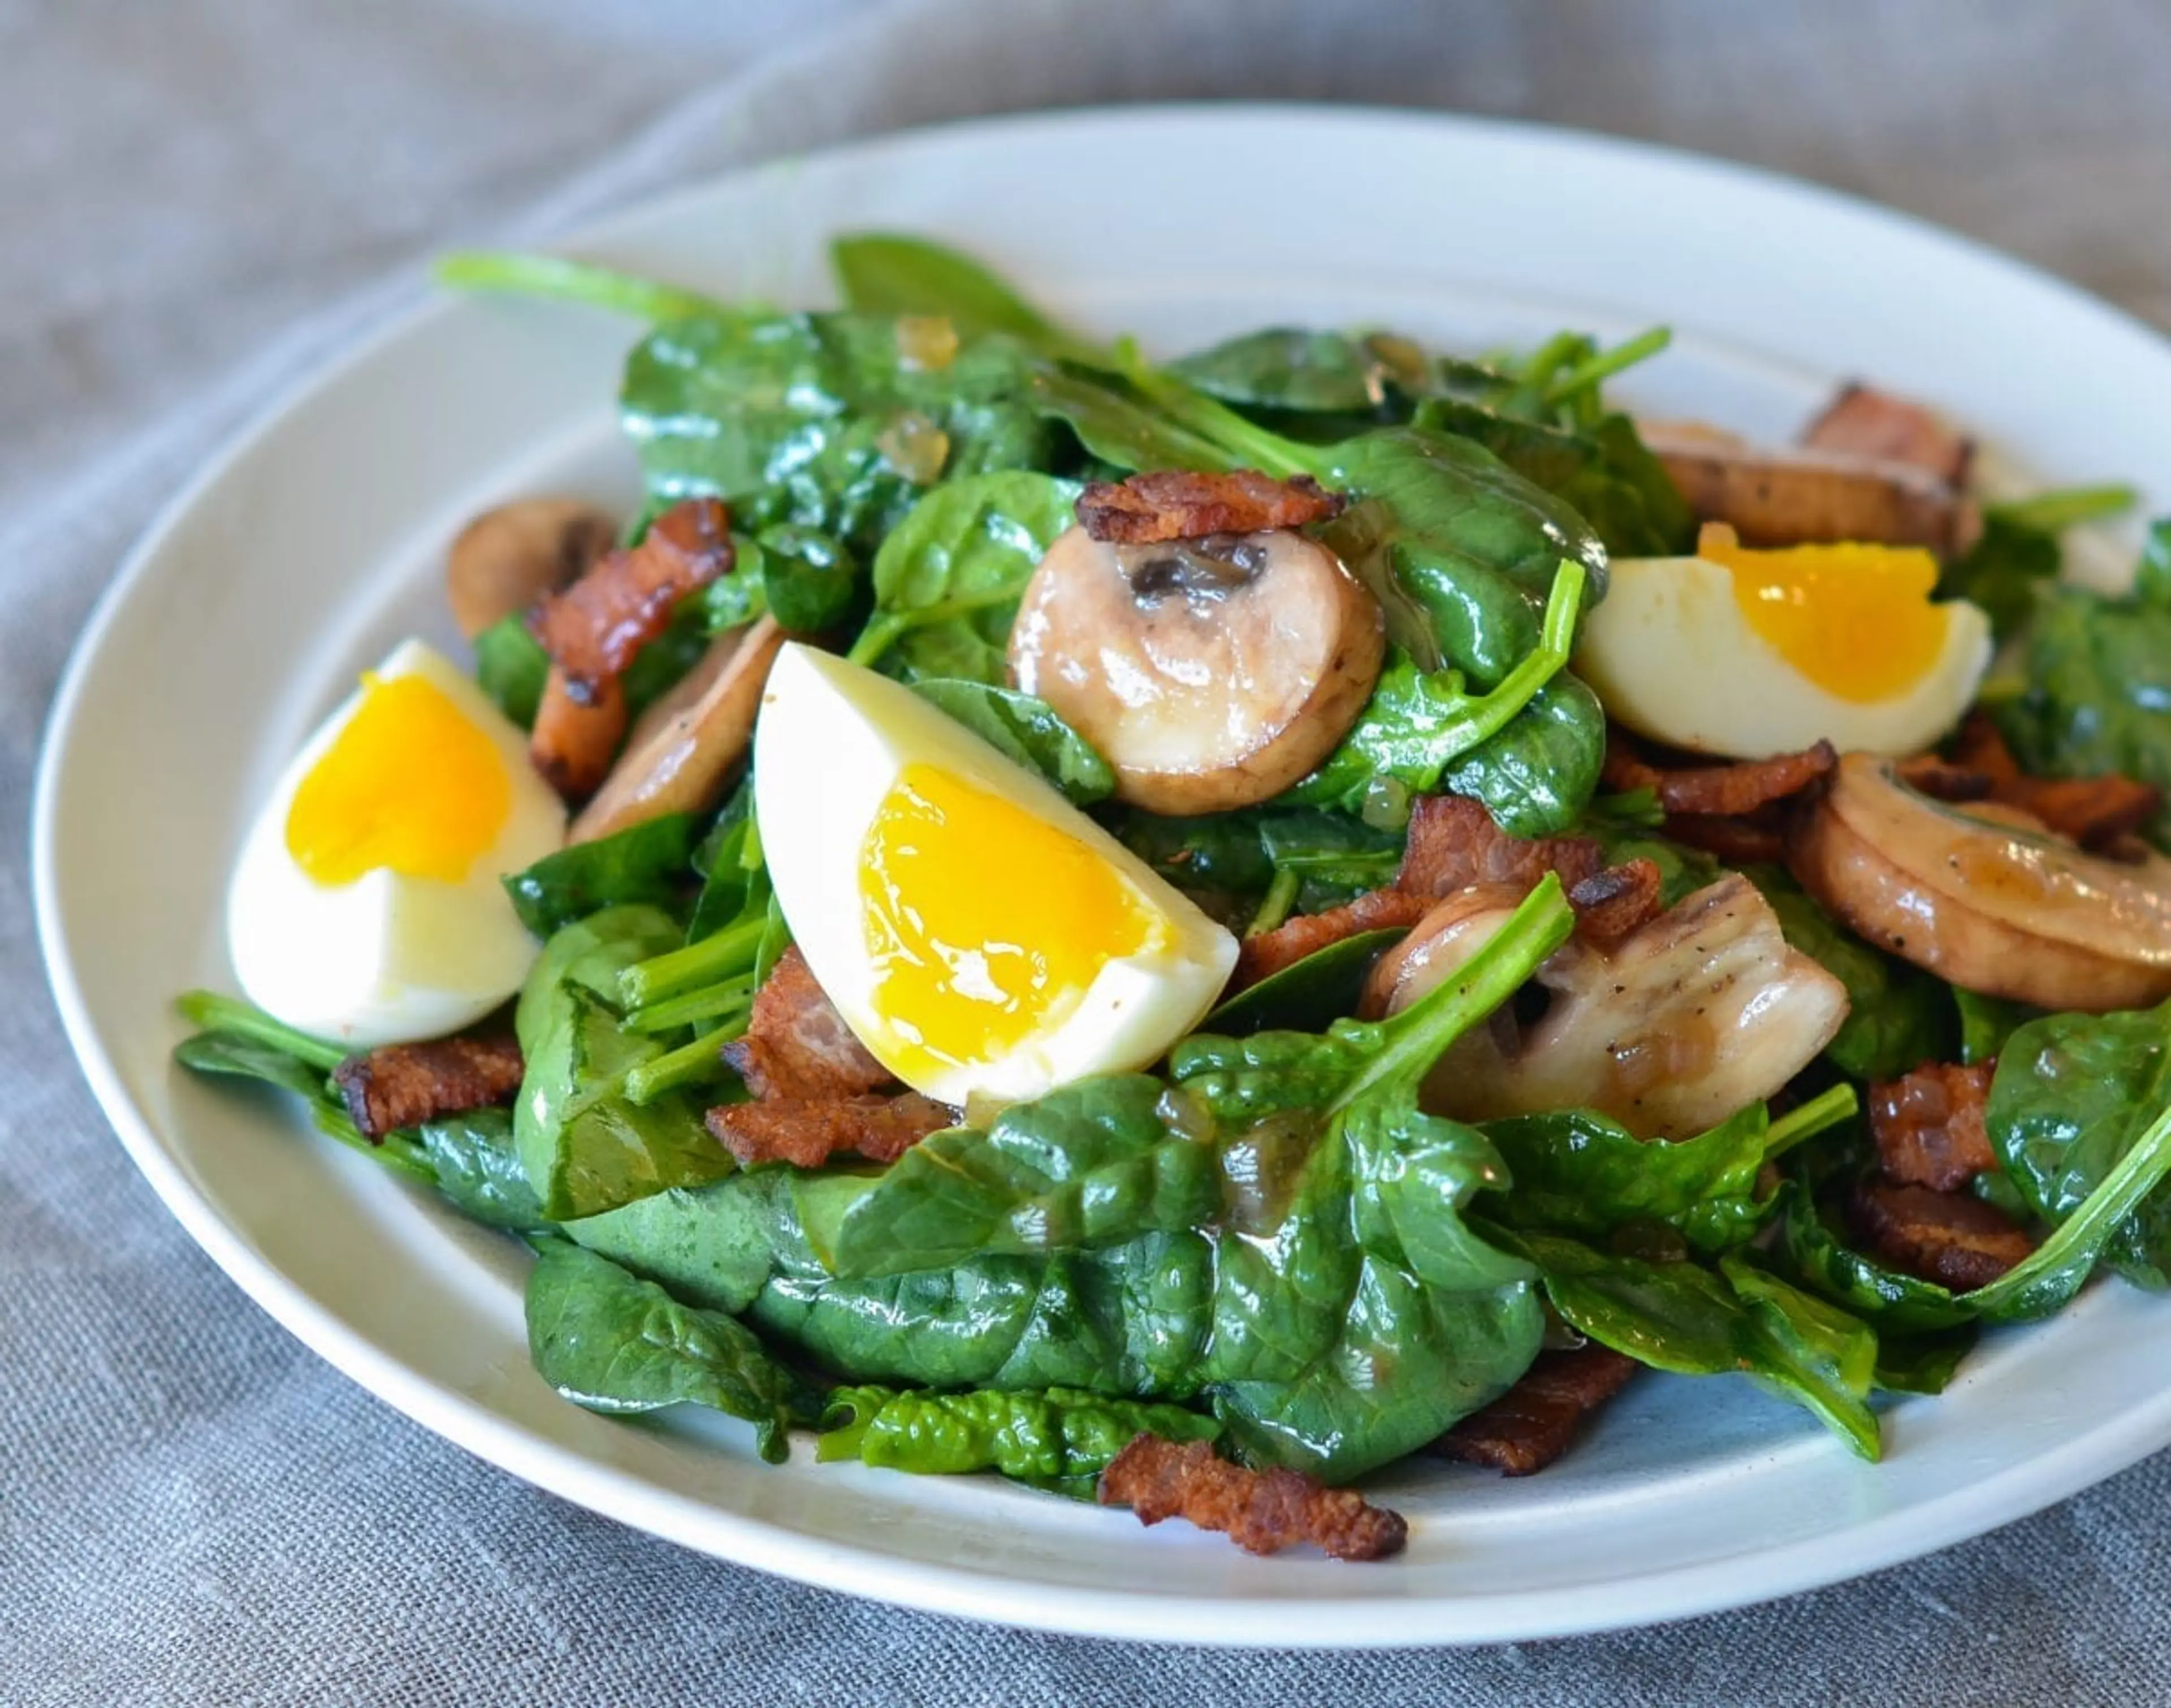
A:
2138	1175
1214	421
1819	1114
713	958
1274	908
697	1063
1600	365
1488	713
564	280
729	996
1417	1037
208	1011
2054	512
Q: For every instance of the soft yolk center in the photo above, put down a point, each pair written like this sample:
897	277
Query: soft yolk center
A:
1855	619
409	785
985	923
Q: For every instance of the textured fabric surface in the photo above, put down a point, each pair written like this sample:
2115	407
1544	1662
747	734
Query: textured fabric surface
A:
203	198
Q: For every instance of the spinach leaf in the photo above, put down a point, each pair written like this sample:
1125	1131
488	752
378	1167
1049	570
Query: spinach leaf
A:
1027	730
884	274
735	877
810	579
615	1343
1537	775
512	666
648	863
1054	1434
1986	1022
947	578
1818	1256
1898	1015
1923	1363
1287	369
475	1164
2003	572
1309	996
585	1145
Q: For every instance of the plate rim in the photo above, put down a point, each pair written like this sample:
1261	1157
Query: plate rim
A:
1217	1620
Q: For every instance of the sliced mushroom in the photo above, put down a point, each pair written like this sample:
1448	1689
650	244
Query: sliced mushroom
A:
1806	497
1864	421
684	746
507	557
1984	895
1688	1019
1211	673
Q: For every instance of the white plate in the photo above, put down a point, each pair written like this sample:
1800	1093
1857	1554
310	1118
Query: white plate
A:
313	543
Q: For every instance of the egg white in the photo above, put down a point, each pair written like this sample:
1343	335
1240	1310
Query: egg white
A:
828	747
1671	655
389	958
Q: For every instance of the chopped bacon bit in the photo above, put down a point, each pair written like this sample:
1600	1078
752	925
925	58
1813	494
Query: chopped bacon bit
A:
2097	812
1929	1127
1611	904
1272	952
798	1045
399	1086
1720	790
1942	780
594	629
1176	504
807	1131
1953	1238
1455	843
1534	1422
1739	841
1862	421
1262	1512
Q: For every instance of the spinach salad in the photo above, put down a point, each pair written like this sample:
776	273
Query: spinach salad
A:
1589	900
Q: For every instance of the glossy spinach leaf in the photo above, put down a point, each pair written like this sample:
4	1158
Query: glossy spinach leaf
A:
2003	571
512	666
1052	1434
1537	775
649	862
1026	729
1309	996
882	273
1818	1256
734	875
585	1146
612	1342
475	1161
1986	1022
810	579
1287	369
1923	1363
947	580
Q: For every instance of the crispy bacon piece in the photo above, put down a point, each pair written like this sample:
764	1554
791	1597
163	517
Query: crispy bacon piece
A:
1262	1512
798	1045
1176	504
1534	1422
1454	845
1611	904
1953	1238
1737	841
593	629
807	1131
1862	421
1727	790
399	1086
1272	952
1928	1125
2097	812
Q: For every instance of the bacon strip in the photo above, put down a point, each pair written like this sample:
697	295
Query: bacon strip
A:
1720	790
2097	812
1611	904
1262	1512
1744	841
1274	951
1176	504
798	1045
1953	1238
1928	1125
808	1131
399	1086
1534	1422
595	629
1454	845
1862	421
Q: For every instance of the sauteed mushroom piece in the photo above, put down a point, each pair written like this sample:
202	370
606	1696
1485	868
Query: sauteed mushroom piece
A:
1984	895
1211	673
509	557
1688	1017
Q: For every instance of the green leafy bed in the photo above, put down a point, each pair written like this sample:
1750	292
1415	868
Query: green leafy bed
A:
1267	1243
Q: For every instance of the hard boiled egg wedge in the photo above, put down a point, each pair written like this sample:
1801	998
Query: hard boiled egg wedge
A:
983	937
367	907
1752	653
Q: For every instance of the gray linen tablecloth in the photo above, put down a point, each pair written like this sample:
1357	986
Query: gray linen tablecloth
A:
201	200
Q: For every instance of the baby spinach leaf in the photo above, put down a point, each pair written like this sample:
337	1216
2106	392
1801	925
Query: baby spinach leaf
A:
1537	775
1986	1022
1028	730
512	666
881	273
734	880
1054	1433
615	1343
586	1147
809	579
2003	572
1309	996
475	1161
1286	368
947	578
648	863
1923	1363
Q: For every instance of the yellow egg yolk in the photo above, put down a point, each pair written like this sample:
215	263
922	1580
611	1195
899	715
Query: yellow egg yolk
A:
985	923
1856	620
409	785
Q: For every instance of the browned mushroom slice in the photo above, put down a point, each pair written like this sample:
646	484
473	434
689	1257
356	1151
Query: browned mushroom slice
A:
1210	673
1686	1019
1862	421
507	557
684	746
1984	895
1787	498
